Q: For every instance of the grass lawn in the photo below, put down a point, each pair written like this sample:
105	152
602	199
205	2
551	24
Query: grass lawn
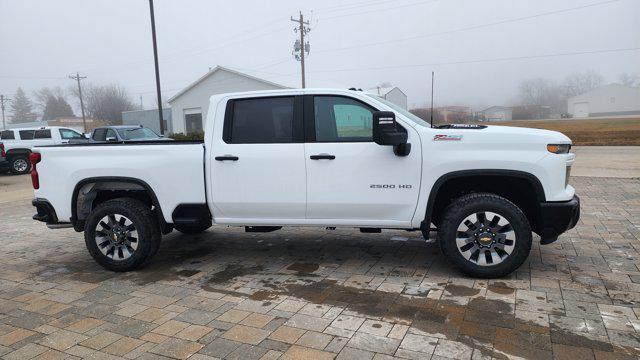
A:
600	131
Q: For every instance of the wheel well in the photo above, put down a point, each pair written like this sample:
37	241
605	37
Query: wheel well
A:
522	191
90	193
14	152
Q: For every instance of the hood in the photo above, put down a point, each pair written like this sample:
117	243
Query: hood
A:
496	137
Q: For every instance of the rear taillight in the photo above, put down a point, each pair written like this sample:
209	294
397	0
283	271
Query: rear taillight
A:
35	158
2	153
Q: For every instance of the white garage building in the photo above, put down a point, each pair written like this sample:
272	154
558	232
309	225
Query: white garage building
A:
392	94
612	99
189	106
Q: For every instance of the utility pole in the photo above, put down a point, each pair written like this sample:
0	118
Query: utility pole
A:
155	59
300	46
77	78
2	101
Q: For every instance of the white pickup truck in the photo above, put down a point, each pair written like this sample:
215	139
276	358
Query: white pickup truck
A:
16	145
316	157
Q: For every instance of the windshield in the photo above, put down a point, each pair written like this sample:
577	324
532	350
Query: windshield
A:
402	111
137	134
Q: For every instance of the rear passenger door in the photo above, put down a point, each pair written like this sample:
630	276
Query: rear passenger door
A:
42	137
257	161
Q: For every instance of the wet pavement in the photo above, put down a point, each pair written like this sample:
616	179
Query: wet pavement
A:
311	293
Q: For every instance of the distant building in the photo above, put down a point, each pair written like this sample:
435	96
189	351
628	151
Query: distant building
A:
496	113
189	106
607	100
530	112
454	113
392	94
149	119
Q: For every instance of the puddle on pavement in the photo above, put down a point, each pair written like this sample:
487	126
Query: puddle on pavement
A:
232	271
439	318
303	267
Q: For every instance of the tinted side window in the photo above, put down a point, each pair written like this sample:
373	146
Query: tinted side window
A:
340	119
42	134
99	135
111	134
7	135
26	134
265	120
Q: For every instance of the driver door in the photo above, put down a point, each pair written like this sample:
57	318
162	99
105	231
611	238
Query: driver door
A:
350	179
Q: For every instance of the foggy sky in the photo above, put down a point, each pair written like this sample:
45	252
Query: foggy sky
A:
356	43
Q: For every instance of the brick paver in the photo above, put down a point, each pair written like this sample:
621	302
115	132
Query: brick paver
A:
312	293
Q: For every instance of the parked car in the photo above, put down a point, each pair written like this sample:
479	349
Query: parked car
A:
120	133
329	158
17	144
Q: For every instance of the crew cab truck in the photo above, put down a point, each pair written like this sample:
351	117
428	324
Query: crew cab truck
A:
16	145
316	157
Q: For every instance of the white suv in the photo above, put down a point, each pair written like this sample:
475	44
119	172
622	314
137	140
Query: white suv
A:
17	144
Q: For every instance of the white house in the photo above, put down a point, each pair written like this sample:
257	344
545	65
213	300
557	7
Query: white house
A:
189	106
612	99
497	113
392	94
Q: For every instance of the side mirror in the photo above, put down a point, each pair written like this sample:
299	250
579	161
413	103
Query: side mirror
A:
387	132
111	139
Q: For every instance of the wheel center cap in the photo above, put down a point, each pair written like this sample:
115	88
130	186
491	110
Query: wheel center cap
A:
485	239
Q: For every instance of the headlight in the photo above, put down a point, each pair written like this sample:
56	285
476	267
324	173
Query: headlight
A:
559	148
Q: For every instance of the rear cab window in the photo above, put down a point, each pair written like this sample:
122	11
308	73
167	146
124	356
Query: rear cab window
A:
267	120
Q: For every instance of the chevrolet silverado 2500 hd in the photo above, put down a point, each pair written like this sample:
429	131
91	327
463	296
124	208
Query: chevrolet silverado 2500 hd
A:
316	157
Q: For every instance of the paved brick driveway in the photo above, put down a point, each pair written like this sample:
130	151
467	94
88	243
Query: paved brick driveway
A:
311	293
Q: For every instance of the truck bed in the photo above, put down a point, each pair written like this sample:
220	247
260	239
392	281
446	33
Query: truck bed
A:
173	169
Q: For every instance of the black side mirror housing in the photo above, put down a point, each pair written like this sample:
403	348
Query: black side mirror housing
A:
386	131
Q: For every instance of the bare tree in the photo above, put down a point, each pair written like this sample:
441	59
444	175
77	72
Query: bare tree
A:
106	102
580	83
629	79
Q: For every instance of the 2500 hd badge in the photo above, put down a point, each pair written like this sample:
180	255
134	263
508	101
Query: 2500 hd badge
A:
389	186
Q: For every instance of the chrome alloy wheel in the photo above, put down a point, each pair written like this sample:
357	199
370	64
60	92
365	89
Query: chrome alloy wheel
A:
20	165
116	237
485	238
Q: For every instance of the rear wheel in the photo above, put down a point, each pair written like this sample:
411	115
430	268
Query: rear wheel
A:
485	235
193	229
122	234
20	164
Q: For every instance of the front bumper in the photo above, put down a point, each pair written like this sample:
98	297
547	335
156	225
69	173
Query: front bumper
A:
558	217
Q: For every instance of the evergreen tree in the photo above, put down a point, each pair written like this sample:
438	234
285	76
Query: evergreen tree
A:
56	107
21	108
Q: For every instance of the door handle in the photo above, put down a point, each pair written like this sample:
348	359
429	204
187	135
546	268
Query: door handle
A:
322	157
227	157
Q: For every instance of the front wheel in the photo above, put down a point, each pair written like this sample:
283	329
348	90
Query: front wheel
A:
20	164
485	235
122	234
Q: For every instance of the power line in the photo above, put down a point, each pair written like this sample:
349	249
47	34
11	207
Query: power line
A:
474	27
485	60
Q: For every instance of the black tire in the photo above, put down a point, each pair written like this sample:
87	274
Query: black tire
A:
17	164
144	222
193	229
482	203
